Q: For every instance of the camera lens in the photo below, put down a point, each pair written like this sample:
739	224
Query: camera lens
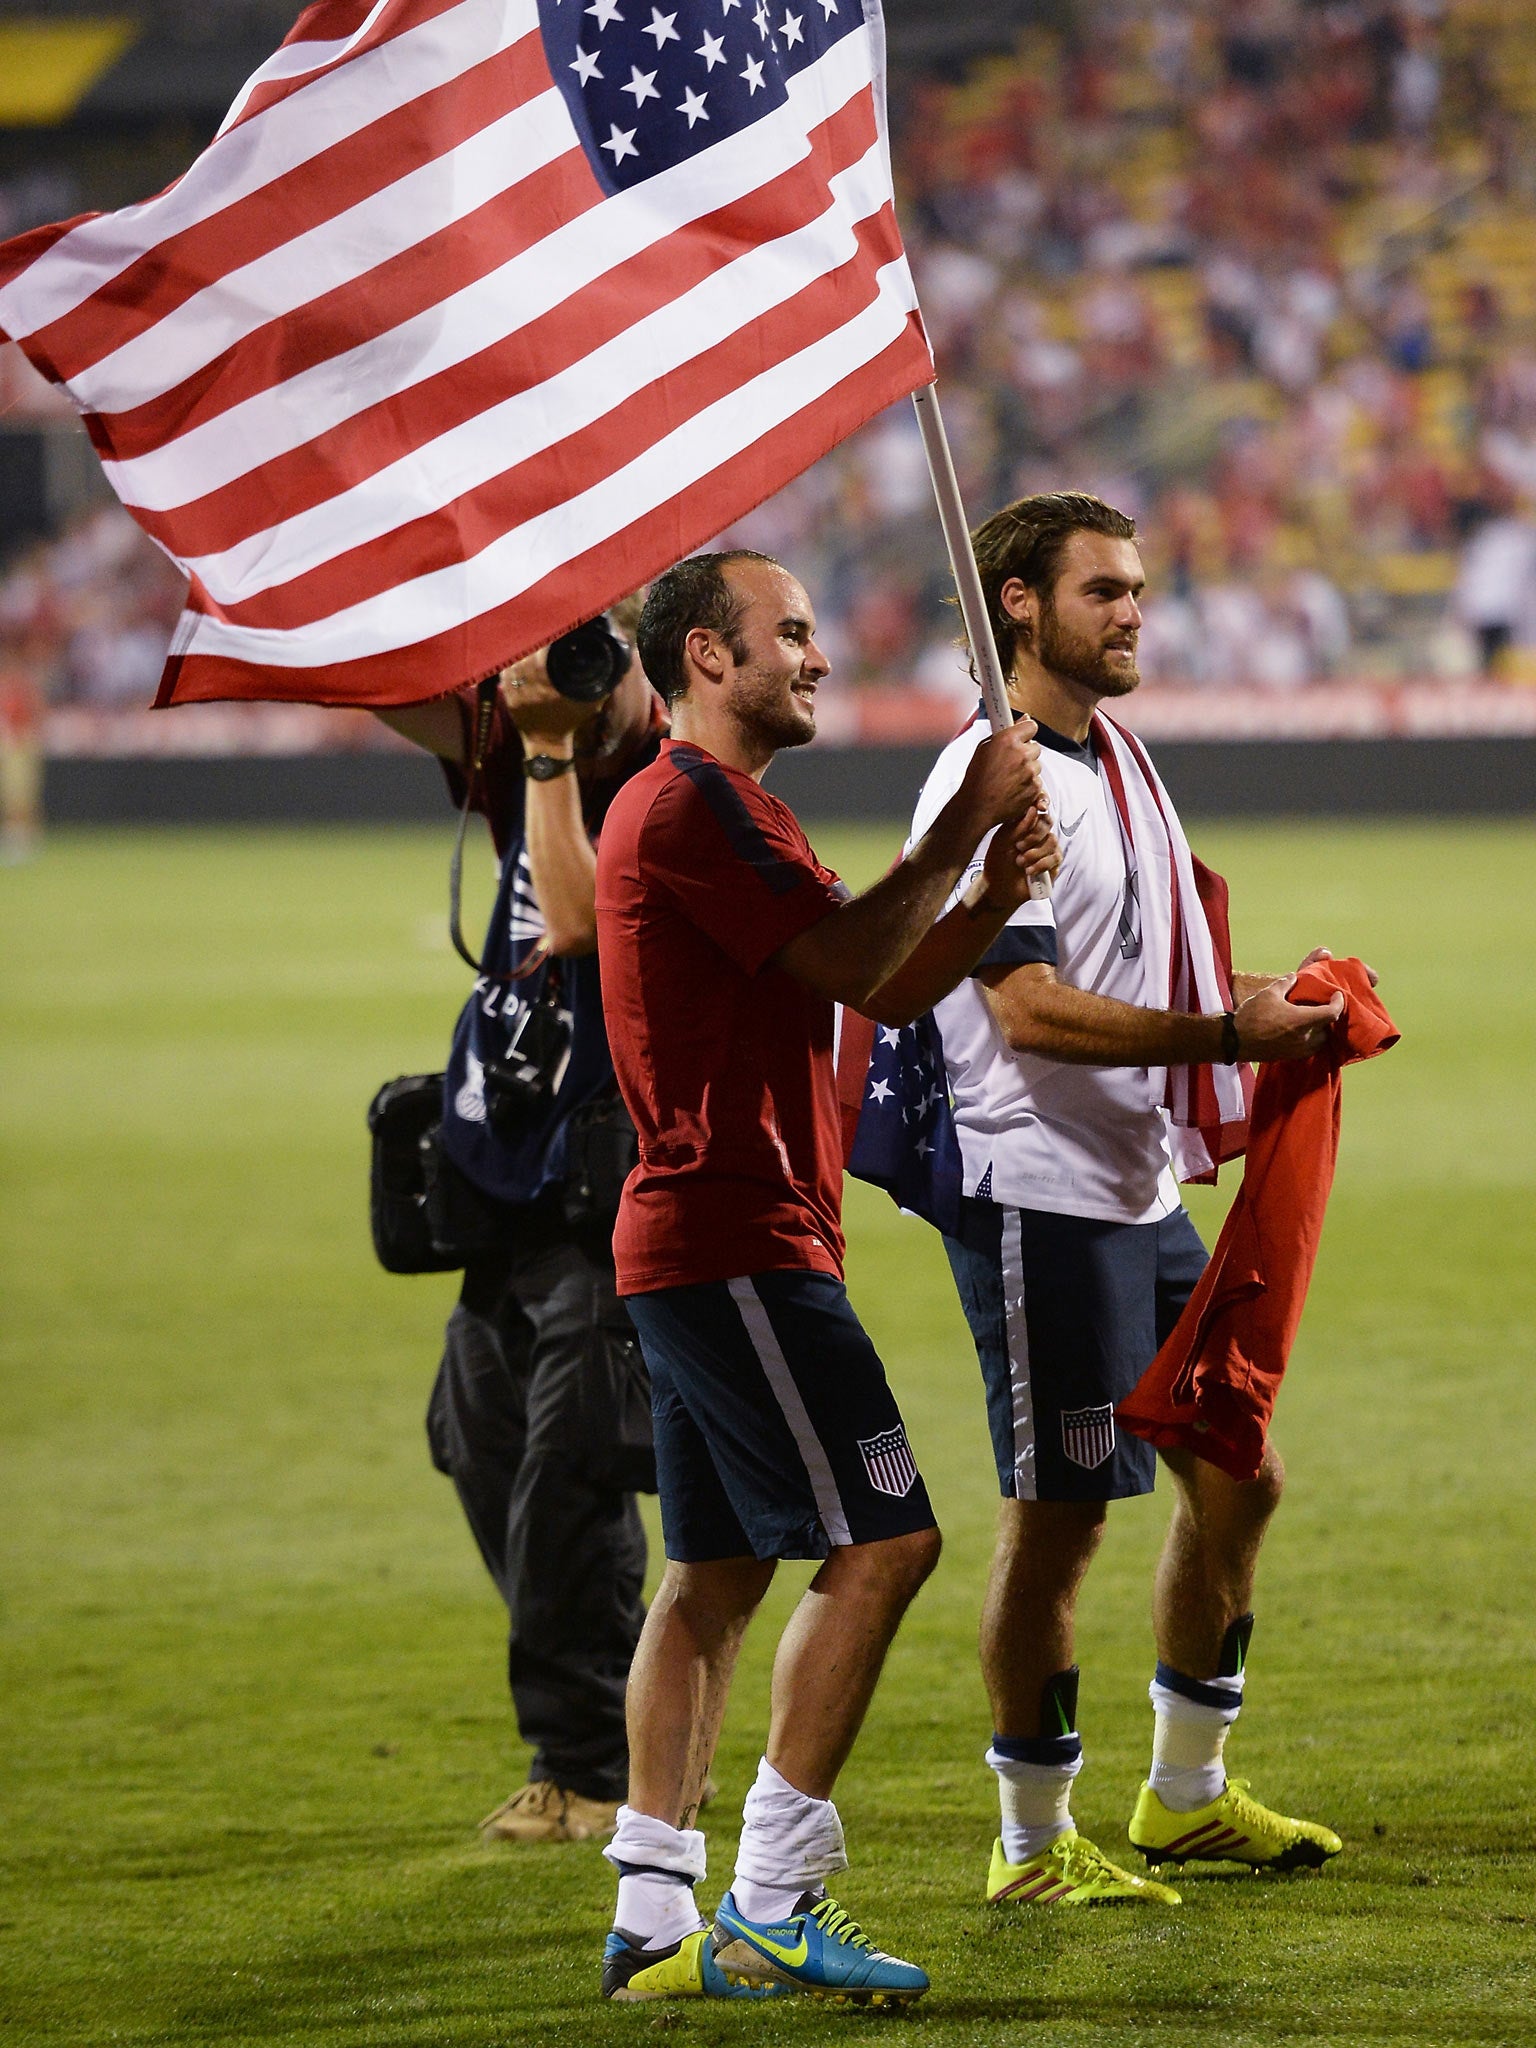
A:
588	662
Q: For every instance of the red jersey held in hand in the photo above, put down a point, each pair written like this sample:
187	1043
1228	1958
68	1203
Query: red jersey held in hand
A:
1211	1388
724	1060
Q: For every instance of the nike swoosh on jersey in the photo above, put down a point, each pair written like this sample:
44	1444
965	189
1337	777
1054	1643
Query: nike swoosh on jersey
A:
1068	830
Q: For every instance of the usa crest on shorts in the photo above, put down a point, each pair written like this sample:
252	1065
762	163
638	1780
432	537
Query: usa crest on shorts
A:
1088	1434
889	1462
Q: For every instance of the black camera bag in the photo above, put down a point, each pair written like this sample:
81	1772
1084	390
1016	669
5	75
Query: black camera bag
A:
426	1217
400	1117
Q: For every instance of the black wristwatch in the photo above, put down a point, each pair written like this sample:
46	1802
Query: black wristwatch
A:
545	767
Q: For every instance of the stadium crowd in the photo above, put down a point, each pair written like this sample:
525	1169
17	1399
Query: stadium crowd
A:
1254	271
1258	270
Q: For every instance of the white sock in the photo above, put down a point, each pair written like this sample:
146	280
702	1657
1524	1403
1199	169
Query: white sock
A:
1187	1741
1036	1801
656	1911
790	1843
658	1867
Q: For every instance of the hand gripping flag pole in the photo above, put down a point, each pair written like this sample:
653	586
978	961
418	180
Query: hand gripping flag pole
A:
893	1092
962	562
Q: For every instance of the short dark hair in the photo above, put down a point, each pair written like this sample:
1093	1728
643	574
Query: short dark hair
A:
692	593
1027	539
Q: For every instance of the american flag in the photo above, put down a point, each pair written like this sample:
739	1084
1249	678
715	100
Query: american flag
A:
474	315
898	1124
1207	1105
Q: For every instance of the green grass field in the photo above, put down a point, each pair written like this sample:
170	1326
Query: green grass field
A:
253	1674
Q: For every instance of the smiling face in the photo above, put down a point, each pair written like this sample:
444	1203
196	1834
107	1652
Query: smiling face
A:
776	664
1084	629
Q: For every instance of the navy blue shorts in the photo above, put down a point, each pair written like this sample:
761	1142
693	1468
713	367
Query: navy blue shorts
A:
776	1434
1067	1315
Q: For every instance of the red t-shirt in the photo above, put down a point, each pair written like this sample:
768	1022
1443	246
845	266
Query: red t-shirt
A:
1212	1386
724	1060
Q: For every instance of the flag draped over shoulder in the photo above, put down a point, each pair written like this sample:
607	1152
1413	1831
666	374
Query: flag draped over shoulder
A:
1189	952
474	315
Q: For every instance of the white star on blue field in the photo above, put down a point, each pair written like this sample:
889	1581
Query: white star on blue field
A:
648	87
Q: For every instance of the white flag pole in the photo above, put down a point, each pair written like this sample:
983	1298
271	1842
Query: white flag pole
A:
962	562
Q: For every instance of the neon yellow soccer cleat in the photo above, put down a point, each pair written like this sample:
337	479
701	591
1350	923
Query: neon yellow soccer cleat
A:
1071	1872
1232	1829
685	1970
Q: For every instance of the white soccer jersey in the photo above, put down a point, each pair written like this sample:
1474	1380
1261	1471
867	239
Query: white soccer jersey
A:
1037	1133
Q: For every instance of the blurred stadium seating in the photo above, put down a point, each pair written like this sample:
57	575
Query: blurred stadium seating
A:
1261	271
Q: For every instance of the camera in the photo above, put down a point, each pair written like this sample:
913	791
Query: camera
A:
520	1086
589	661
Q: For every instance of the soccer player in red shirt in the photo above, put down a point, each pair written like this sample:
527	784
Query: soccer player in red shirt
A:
724	946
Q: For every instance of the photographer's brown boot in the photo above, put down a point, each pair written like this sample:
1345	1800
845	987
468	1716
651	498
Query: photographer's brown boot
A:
542	1811
545	1812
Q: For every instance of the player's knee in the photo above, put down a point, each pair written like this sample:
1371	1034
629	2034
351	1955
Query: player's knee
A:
891	1569
1050	1539
715	1598
926	1546
1215	1506
1261	1494
911	1560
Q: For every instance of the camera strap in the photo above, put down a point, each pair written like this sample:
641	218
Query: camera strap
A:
485	713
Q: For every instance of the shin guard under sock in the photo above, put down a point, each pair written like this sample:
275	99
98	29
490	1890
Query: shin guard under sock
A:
1192	1716
658	1867
1035	1772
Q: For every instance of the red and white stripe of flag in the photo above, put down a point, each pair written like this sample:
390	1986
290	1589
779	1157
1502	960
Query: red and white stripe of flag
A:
407	394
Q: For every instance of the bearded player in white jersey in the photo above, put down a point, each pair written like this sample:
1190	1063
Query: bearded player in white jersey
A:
1074	1255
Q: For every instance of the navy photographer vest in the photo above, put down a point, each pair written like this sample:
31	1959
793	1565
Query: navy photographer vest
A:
521	1169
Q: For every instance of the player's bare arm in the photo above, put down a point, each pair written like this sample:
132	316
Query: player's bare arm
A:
1245	985
1038	1014
856	949
949	950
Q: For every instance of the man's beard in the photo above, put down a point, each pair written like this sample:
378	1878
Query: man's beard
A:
1080	660
761	710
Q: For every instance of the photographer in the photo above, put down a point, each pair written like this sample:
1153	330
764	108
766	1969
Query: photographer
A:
540	1412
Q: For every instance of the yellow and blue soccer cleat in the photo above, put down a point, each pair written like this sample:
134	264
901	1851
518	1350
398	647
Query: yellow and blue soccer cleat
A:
685	1970
1232	1829
1070	1872
819	1950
